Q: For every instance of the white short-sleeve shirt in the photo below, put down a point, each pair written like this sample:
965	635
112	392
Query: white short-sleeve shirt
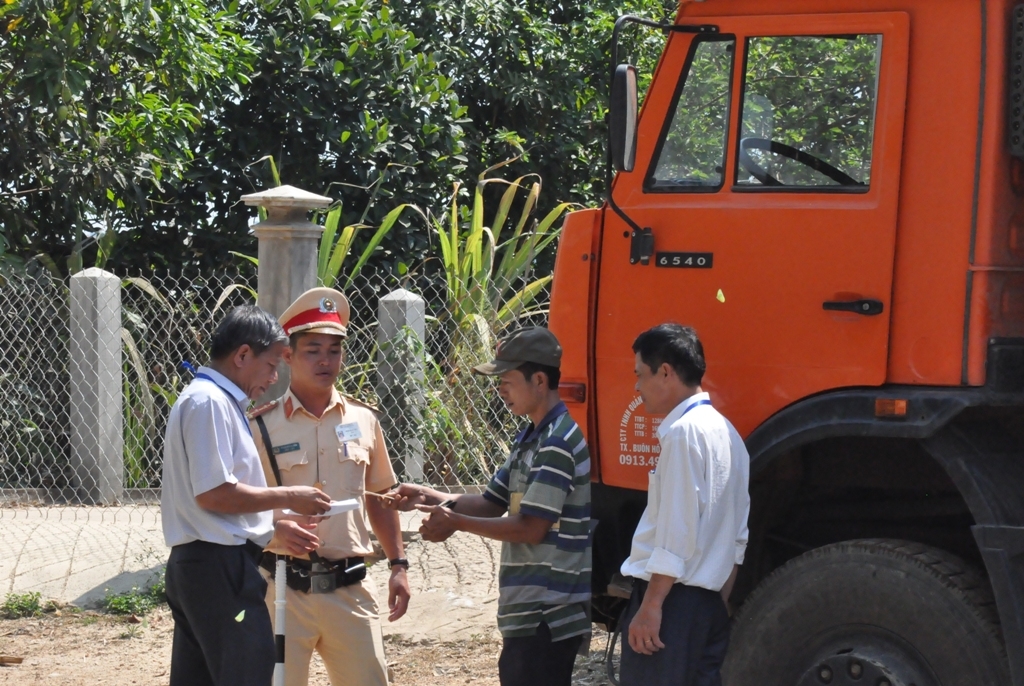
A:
208	443
695	526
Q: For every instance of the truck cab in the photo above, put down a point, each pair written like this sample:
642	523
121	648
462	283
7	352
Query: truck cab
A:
832	195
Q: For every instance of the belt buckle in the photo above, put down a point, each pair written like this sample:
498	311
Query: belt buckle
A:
322	579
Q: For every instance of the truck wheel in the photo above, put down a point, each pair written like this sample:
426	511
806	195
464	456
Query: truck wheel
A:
869	613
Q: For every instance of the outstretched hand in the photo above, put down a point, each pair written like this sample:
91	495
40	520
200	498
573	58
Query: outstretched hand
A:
308	500
405	498
439	523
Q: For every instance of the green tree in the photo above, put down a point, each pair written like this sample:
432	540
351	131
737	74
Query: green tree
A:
540	69
344	98
98	102
146	121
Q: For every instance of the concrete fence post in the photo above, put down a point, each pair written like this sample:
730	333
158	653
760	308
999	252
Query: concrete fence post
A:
97	438
288	244
401	330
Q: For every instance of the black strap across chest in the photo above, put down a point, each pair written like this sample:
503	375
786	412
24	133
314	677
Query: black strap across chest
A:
269	447
265	434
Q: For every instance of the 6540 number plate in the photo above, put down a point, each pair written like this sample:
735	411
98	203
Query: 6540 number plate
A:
684	260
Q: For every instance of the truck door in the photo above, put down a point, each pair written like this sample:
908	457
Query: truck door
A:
767	170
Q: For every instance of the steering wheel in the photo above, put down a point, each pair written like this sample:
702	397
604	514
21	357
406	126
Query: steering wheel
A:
815	163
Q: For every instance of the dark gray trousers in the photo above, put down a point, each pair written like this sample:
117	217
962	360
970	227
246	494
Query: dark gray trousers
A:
695	631
537	660
222	630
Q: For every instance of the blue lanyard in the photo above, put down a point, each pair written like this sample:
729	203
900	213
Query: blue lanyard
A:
245	421
696	404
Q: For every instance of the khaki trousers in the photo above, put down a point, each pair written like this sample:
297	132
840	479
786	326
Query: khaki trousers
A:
343	627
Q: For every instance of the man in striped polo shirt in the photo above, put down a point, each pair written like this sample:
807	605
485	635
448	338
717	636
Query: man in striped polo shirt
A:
544	486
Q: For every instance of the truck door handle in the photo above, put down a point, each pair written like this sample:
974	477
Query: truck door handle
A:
865	307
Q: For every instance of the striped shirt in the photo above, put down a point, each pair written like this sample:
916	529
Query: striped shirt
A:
547	475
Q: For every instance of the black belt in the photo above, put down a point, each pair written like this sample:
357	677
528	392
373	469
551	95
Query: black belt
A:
346	572
254	549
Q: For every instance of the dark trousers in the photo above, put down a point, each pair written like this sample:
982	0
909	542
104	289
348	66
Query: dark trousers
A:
222	630
695	631
536	660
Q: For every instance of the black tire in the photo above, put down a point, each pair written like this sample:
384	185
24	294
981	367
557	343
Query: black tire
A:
868	612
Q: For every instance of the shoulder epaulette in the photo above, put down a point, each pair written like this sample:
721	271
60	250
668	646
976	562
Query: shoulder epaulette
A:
263	409
360	403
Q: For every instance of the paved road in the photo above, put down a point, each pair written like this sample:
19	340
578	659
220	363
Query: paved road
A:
79	554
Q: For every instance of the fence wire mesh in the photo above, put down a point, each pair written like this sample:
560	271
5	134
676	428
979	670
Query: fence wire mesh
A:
93	364
34	385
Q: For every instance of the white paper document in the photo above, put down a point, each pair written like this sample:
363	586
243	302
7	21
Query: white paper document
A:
337	507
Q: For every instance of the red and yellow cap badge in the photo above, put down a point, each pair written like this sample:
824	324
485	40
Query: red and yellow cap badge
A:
318	310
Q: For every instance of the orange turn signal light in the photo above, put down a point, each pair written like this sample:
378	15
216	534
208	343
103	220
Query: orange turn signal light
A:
890	407
573	392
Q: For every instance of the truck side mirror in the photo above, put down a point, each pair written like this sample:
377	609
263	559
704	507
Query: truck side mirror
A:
622	118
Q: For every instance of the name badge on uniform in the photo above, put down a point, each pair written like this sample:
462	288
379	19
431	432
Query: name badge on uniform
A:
348	432
289	448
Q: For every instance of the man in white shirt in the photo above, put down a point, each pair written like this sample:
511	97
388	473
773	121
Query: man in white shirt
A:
691	538
217	511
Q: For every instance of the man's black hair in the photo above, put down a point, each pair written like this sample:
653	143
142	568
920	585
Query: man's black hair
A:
528	369
246	325
676	345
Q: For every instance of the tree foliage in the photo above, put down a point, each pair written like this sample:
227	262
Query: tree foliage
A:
540	69
98	103
133	127
145	118
348	103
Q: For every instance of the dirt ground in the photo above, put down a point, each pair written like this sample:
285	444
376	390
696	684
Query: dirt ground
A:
448	636
75	648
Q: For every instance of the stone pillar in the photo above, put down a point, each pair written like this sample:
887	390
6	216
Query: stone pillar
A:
288	244
94	348
400	335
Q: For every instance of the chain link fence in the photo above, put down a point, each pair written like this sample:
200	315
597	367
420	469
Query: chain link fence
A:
93	364
35	386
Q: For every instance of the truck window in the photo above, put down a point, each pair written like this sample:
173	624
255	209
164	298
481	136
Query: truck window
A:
808	112
691	153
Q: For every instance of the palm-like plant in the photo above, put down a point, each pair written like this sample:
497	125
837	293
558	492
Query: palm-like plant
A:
479	283
489	286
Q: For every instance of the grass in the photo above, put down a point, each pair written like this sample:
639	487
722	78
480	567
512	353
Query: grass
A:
133	630
137	601
18	605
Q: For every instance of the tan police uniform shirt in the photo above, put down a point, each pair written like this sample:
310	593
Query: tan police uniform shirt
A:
343	450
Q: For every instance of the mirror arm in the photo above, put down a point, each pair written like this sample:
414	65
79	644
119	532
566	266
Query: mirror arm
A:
619	211
666	28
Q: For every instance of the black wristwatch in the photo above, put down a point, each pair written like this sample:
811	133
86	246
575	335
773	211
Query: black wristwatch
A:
398	562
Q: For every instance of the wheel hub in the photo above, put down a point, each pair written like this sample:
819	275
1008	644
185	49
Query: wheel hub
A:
848	668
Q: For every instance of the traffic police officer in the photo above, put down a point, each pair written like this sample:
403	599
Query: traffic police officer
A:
315	436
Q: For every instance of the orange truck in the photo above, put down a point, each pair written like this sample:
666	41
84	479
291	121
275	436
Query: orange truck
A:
832	193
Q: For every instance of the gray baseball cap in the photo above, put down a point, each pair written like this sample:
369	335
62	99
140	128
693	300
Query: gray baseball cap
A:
532	344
